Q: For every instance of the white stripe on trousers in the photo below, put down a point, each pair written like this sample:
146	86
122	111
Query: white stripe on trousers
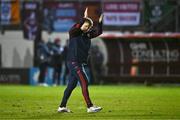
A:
85	72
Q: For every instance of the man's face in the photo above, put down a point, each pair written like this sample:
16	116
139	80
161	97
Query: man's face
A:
85	27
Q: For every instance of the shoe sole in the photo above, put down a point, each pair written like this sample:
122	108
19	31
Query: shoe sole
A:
95	111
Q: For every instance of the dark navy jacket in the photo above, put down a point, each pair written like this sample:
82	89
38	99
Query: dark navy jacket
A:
79	43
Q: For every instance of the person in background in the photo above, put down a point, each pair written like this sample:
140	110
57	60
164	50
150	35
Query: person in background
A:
97	59
65	68
57	61
31	26
43	54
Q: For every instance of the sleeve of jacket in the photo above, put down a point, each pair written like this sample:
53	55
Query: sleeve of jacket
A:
75	29
96	31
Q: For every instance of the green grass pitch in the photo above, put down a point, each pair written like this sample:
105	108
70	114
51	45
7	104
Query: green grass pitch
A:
118	102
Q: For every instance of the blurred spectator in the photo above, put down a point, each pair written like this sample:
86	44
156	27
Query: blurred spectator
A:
97	59
57	61
43	54
64	64
31	26
48	20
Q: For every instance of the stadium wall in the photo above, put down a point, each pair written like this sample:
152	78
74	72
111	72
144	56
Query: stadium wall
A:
17	52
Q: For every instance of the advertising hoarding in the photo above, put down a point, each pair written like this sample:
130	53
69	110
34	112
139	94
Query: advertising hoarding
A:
121	13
